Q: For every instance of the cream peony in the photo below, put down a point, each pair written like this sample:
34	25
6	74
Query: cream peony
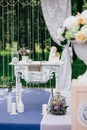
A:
80	37
81	20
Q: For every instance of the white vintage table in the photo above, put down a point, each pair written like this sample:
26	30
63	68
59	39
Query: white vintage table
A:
35	72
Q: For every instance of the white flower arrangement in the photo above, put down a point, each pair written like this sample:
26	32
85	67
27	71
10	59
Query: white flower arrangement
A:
57	104
74	28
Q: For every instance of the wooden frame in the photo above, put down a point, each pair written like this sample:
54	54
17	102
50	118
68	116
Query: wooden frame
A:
79	105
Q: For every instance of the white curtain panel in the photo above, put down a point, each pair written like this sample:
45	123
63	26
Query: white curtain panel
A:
55	12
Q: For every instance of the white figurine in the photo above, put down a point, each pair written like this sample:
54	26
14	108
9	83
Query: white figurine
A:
54	55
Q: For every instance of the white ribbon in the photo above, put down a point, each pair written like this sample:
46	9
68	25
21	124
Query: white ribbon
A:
65	70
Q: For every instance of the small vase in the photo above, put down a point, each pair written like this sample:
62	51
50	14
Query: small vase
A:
25	58
9	103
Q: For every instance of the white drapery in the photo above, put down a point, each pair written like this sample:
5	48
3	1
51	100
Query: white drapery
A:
65	70
54	12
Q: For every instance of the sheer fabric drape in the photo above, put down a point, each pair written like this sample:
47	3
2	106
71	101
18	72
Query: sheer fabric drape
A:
54	12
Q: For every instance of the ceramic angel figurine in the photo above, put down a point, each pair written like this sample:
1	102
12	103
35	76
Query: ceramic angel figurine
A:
54	55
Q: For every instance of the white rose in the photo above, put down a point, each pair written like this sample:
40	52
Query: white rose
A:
60	31
84	27
69	22
84	15
84	30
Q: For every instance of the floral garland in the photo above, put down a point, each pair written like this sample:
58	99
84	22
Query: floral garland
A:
74	28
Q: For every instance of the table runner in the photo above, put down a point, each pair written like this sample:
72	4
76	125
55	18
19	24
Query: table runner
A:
56	122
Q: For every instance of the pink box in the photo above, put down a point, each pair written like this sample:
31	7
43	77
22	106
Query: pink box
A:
79	106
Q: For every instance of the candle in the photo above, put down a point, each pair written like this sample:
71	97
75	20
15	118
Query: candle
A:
13	108
44	109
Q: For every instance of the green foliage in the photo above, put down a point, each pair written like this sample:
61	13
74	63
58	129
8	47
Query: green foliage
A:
61	111
78	6
85	5
7	82
78	68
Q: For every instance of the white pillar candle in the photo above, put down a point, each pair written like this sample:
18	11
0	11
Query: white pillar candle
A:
44	109
9	103
13	108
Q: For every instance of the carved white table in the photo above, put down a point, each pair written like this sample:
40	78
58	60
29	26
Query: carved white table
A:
35	72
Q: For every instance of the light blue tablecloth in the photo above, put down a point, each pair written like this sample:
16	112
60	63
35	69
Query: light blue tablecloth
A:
31	118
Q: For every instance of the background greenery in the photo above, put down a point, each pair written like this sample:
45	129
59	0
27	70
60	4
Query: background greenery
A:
32	32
